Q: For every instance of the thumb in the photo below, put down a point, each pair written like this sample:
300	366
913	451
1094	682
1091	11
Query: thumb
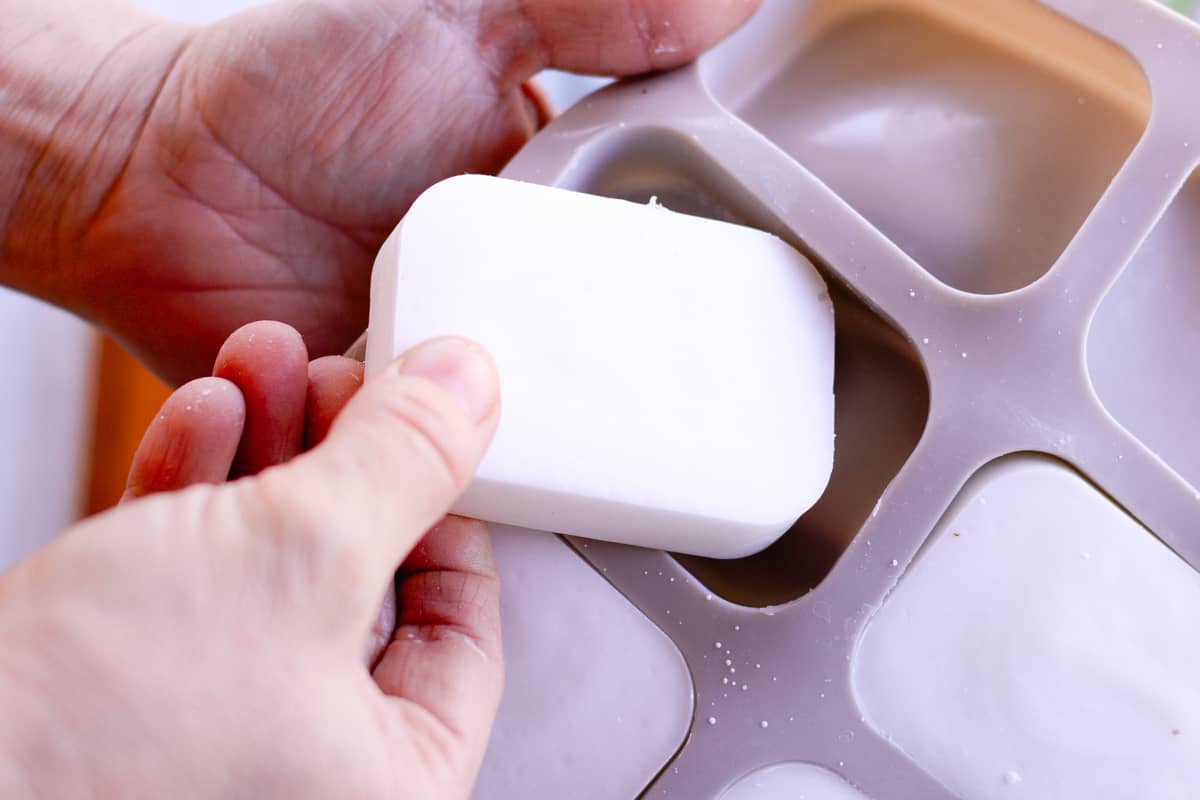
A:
399	455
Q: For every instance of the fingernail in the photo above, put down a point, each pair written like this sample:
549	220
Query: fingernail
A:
459	366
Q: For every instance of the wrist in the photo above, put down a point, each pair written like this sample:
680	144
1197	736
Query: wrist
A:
79	80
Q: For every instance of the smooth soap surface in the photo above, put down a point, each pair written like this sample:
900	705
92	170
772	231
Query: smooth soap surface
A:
596	698
1042	646
792	781
667	380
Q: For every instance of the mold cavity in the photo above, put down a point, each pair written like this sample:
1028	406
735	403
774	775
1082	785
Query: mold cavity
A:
1143	342
1043	644
976	135
882	396
792	781
564	692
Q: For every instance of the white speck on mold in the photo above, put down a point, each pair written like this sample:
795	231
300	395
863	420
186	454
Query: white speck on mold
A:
718	645
758	666
964	355
725	681
1159	45
728	662
712	720
672	580
1012	778
737	627
895	562
764	724
925	340
708	596
912	292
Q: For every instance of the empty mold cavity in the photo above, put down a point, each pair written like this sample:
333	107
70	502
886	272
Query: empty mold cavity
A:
1143	342
1042	645
977	135
583	667
792	781
882	396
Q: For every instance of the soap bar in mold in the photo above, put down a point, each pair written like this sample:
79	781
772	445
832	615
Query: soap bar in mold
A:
792	781
597	699
1042	646
667	380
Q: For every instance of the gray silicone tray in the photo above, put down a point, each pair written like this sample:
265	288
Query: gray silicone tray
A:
973	177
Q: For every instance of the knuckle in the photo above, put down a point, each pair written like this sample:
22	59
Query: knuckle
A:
309	531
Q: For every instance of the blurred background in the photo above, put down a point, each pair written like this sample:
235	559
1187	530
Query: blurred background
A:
74	405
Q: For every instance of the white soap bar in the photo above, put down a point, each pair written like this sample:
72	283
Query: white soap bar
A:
1043	646
792	781
597	699
667	379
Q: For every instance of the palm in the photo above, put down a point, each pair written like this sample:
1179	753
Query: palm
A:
285	145
273	166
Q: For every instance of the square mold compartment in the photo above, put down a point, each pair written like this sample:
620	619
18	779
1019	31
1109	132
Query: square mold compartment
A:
1144	339
882	396
1042	646
597	699
975	134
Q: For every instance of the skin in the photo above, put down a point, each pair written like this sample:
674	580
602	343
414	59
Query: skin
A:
203	178
220	634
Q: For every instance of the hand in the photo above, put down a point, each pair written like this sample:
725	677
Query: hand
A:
208	642
256	165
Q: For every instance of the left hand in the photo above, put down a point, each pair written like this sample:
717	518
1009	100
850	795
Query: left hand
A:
208	641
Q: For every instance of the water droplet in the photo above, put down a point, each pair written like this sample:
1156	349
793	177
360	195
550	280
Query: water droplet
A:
764	724
718	645
712	720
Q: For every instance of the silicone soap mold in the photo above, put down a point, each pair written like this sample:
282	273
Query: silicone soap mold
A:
999	195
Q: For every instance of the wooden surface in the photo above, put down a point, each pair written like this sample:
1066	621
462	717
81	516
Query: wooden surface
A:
127	398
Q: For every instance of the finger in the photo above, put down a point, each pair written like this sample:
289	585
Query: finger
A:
382	629
268	362
446	654
332	381
192	440
618	37
394	462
